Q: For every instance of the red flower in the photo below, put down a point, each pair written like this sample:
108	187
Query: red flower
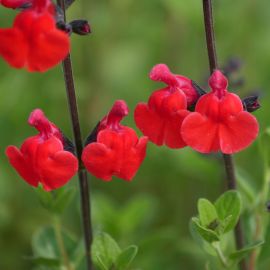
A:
162	117
39	44
117	150
42	158
14	3
219	122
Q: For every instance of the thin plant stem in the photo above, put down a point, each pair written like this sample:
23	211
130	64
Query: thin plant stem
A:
83	182
228	159
60	243
220	255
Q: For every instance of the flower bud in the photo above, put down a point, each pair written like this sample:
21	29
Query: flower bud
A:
80	27
251	103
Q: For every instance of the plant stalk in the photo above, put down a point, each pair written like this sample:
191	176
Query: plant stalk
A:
83	182
220	255
60	243
228	159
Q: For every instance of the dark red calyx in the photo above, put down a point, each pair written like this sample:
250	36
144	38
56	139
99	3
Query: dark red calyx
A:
80	27
92	137
251	103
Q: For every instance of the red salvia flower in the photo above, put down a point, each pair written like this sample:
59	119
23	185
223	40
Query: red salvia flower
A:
117	150
42	158
15	3
219	122
162	117
39	45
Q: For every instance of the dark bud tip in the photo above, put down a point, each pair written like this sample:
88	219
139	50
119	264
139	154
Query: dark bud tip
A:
213	225
251	103
198	89
92	137
80	27
68	144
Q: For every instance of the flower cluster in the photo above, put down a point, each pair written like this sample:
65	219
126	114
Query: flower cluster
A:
219	122
33	42
48	157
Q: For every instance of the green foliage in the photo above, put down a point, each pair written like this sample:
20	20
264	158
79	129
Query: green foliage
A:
228	207
105	251
207	212
240	254
214	223
207	234
55	201
44	243
126	257
107	255
47	249
219	218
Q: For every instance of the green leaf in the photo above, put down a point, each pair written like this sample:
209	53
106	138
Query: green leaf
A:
55	201
207	234
228	207
62	199
78	254
44	197
44	243
105	251
240	254
207	247
207	212
126	257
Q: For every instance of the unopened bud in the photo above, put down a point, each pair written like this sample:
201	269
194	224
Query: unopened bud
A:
80	27
251	103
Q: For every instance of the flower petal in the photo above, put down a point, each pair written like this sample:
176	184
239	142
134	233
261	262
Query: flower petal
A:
132	160
99	160
200	133
15	55
56	166
172	136
22	165
48	46
14	3
150	123
238	132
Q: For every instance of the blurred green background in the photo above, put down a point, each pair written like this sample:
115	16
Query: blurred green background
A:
128	39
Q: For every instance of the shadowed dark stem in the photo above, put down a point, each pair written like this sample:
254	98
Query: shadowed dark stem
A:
84	189
228	159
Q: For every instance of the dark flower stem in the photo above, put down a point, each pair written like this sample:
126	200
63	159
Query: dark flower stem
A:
84	189
228	159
